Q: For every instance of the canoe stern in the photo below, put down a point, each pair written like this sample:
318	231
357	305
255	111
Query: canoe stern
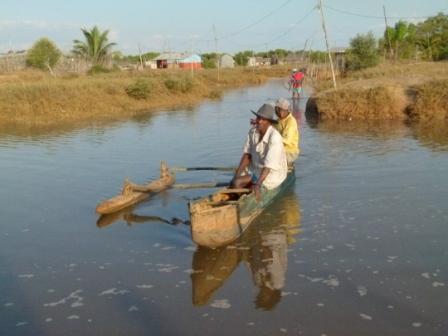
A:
215	226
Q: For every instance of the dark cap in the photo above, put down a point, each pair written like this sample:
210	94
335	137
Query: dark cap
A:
266	111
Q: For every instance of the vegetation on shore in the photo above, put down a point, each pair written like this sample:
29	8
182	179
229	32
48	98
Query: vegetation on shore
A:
37	98
366	91
415	91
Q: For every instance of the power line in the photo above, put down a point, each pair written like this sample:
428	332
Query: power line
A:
256	22
377	17
246	27
293	26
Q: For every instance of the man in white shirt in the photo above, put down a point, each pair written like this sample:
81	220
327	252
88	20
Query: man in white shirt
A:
263	154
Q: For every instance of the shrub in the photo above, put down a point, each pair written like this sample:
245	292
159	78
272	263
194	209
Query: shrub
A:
179	85
430	101
363	52
43	54
98	69
215	94
140	89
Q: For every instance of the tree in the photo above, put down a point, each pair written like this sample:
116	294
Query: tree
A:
242	58
432	37
363	52
401	38
43	55
95	48
210	60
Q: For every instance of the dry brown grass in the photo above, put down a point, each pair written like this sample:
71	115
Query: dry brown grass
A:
389	91
372	103
430	101
36	98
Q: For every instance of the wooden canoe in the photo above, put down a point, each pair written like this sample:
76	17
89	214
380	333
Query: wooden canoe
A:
222	217
133	193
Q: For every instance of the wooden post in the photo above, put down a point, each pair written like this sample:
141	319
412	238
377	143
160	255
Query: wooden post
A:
216	49
387	32
326	42
140	54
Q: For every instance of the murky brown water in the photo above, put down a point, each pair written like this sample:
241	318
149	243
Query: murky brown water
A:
357	247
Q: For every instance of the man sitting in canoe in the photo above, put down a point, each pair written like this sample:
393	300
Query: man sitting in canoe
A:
287	127
263	154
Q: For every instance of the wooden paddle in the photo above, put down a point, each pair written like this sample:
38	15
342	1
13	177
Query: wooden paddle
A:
183	169
201	185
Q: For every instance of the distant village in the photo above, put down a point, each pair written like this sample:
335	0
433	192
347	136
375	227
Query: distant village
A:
16	60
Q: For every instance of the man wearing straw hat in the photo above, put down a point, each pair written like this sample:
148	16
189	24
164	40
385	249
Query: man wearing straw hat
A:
287	127
263	154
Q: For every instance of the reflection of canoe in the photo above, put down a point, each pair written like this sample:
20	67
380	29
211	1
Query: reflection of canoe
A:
222	217
211	268
130	218
132	193
262	248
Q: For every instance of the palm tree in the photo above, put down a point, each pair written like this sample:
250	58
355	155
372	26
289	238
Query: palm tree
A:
95	48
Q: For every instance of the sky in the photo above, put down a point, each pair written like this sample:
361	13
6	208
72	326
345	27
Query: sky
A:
201	26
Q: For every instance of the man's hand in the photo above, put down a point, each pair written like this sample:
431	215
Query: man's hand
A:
256	189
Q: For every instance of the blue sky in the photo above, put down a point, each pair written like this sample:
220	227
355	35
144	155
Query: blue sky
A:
180	25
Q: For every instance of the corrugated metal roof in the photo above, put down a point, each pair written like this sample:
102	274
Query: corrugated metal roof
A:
176	57
191	59
338	50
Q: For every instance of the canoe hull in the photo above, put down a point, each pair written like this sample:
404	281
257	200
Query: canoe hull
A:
133	193
217	225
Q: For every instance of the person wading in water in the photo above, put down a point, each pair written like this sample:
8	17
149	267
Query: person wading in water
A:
295	82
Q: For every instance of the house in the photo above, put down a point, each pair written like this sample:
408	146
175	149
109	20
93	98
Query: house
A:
13	60
178	60
151	64
259	61
193	61
251	61
226	61
339	57
293	58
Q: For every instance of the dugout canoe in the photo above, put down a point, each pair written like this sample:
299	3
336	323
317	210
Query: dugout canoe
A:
220	218
133	193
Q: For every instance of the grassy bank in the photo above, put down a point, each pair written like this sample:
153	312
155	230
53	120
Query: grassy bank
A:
389	91
35	98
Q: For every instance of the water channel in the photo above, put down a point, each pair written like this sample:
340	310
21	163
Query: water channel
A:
359	245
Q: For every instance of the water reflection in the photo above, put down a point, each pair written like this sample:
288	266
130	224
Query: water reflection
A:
370	128
130	218
262	249
431	134
297	110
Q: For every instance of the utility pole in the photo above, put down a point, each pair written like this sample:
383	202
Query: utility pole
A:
387	32
216	49
140	54
326	42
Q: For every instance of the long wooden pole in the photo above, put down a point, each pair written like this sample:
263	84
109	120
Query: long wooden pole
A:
326	42
184	169
387	32
216	49
201	185
140	55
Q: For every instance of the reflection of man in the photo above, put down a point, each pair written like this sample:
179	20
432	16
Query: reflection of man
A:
268	265
268	258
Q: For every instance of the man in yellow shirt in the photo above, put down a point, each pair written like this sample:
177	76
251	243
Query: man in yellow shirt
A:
287	127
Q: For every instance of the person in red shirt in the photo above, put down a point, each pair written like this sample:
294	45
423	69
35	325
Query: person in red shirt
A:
295	82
